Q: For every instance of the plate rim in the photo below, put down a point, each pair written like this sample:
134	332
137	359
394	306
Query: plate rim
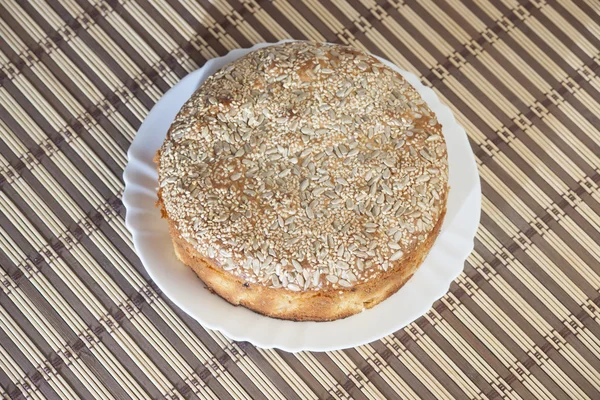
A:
474	197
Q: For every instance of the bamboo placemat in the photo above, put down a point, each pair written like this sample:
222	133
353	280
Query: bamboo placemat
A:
79	316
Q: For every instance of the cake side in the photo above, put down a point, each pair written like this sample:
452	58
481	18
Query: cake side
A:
323	305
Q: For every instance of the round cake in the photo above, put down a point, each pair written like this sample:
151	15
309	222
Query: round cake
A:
304	181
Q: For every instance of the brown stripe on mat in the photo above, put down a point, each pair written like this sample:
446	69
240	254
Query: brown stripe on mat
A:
372	19
166	61
516	251
94	115
484	355
93	109
315	21
433	331
366	374
219	359
78	28
61	362
561	34
35	380
268	369
403	369
506	339
39	153
533	205
201	29
503	265
550	51
342	379
418	36
282	19
543	344
491	76
247	11
488	280
414	346
155	72
312	381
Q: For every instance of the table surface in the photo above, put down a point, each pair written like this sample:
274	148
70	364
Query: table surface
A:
79	316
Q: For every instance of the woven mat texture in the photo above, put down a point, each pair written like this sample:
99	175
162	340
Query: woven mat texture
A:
79	317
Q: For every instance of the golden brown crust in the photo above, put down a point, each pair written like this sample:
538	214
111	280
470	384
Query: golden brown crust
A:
324	305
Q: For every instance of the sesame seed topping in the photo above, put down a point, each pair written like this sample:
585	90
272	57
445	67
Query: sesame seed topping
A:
305	166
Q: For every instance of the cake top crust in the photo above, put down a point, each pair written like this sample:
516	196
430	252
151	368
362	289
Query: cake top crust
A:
304	165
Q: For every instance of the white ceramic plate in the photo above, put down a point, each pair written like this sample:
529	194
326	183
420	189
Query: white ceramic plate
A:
180	284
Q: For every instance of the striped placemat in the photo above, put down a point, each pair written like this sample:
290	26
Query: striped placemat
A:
79	317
